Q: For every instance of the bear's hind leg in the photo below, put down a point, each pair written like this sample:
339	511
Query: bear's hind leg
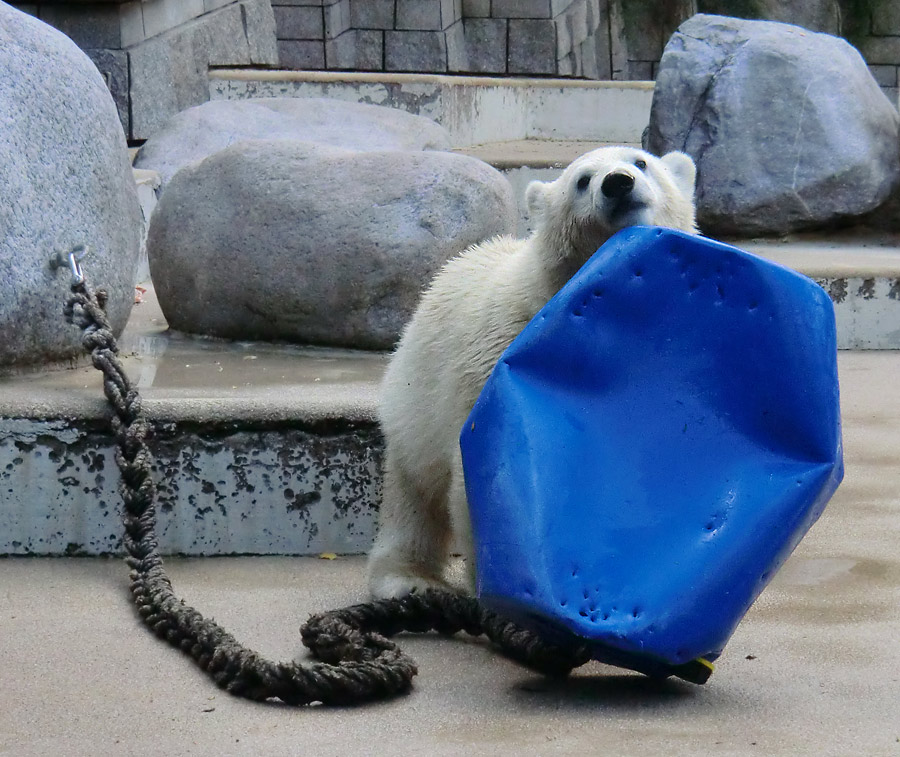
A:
462	525
413	541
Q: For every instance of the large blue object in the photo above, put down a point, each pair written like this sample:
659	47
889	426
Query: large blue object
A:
652	447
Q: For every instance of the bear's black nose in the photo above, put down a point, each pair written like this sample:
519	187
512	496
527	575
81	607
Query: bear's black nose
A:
617	184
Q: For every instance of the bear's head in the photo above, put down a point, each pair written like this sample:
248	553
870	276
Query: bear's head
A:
608	189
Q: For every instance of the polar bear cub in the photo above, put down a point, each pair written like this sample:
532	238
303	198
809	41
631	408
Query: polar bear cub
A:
472	311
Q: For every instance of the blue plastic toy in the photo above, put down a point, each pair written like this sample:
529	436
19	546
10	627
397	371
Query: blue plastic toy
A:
652	447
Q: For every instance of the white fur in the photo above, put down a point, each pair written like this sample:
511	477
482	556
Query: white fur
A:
473	309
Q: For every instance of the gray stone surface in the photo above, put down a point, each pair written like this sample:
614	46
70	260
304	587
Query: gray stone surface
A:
451	12
113	67
99	25
64	181
204	129
456	36
816	15
418	15
169	71
311	244
415	51
476	8
788	127
369	50
164	48
372	14
301	54
457	53
337	18
520	9
341	52
486	44
887	20
259	32
298	22
532	46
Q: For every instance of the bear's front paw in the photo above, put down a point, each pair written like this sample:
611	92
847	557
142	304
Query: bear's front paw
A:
394	585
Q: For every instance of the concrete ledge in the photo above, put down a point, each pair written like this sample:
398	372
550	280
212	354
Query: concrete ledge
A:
207	381
260	448
376	77
862	279
832	259
235	488
275	449
474	109
532	153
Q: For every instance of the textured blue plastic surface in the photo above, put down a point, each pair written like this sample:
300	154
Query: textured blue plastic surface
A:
652	447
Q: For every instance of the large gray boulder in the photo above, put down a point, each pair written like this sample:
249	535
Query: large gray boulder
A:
788	128
200	131
311	244
65	180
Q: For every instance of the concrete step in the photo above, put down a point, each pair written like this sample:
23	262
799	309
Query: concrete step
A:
274	449
525	160
862	276
261	448
474	109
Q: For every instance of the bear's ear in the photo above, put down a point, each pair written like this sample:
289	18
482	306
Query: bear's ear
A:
536	198
683	170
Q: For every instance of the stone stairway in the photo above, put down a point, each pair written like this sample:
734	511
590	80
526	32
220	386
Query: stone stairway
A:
274	449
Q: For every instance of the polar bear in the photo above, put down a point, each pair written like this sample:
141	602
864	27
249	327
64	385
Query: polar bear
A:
474	308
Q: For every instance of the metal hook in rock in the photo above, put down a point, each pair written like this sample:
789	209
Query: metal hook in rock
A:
72	259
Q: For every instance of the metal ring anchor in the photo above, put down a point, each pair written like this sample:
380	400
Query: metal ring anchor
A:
72	259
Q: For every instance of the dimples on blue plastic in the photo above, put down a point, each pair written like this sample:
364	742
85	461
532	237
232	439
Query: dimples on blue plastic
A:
653	445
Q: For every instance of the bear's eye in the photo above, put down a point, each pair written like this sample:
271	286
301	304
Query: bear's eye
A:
583	182
640	164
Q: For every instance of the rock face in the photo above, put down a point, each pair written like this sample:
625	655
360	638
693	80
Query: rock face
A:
200	131
311	244
788	127
817	15
64	181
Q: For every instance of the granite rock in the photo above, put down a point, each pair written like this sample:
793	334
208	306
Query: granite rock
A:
788	128
314	244
65	180
200	131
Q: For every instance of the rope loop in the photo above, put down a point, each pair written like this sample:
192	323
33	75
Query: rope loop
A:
359	662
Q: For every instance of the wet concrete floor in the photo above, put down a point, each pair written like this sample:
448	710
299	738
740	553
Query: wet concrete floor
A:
814	669
184	377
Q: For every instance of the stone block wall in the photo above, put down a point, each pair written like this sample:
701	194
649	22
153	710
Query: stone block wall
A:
370	35
879	44
515	37
593	39
155	54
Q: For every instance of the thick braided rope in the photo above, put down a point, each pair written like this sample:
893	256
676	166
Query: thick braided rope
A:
330	635
360	663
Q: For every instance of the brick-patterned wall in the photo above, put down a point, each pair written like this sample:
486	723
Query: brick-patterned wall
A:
880	46
593	39
155	54
370	35
518	37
